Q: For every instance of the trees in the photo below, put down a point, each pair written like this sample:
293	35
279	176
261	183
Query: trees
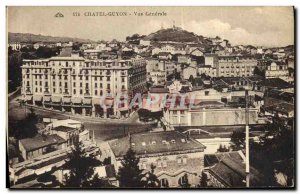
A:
204	180
192	79
25	128
223	148
82	173
184	181
129	174
238	140
151	179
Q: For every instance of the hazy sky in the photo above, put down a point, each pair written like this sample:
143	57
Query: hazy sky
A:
265	26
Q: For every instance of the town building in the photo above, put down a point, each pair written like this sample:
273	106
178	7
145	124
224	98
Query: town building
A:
207	70
227	170
82	86
235	66
211	60
207	113
15	46
40	145
277	69
157	77
174	155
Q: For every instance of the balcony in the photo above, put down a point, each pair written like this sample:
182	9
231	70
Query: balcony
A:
87	94
28	91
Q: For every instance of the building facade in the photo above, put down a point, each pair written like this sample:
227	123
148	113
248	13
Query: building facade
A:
235	66
82	86
175	156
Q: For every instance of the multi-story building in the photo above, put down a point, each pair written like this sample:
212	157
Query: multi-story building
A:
207	113
235	66
207	70
82	86
177	157
15	46
211	59
277	69
157	77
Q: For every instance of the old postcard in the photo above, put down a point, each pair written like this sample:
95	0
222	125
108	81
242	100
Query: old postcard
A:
150	97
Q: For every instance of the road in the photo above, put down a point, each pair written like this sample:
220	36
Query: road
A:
104	129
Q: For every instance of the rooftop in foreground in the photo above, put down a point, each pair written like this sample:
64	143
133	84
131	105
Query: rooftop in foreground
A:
156	143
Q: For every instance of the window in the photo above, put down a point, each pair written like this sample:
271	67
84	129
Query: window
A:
143	165
74	84
159	163
86	78
123	79
95	85
183	180
96	92
206	93
164	183
74	91
80	91
108	78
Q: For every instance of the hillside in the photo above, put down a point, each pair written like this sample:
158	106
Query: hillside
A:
175	35
32	38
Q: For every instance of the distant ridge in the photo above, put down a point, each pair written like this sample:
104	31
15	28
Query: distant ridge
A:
33	38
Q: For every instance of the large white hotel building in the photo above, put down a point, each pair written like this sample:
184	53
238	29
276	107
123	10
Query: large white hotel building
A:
82	86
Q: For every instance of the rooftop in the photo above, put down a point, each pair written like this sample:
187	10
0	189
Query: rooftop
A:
275	83
229	169
156	143
40	141
159	90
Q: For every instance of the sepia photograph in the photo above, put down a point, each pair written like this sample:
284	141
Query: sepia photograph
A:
150	97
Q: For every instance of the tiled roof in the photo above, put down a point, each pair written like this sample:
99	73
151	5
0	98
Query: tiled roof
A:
156	143
40	141
283	107
275	83
159	90
63	129
229	169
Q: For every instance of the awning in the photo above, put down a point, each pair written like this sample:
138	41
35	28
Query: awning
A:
96	101
56	99
123	109
87	101
28	98
66	100
76	100
47	98
37	97
109	101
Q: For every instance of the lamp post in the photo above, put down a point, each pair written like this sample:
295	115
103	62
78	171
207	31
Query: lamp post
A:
247	140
